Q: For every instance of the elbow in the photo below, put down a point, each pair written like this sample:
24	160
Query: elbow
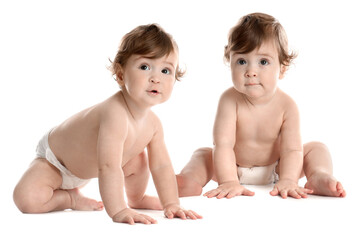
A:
292	153
107	168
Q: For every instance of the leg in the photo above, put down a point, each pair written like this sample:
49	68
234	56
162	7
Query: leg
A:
196	174
38	191
319	171
137	174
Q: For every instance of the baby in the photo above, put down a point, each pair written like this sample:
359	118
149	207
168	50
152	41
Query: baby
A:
108	141
257	127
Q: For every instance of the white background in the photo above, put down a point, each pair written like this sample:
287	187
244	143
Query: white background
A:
53	58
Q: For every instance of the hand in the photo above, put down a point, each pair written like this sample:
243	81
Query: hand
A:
286	187
130	216
229	190
174	210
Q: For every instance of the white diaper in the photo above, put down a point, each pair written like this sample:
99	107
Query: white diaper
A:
258	175
70	181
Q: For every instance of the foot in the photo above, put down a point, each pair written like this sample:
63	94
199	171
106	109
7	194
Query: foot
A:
147	202
188	187
82	203
326	185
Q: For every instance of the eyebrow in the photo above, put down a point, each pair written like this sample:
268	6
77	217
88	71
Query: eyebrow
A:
166	62
266	55
259	54
171	64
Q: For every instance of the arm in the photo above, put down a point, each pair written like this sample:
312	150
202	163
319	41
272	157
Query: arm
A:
111	138
291	155
224	134
164	176
225	167
291	149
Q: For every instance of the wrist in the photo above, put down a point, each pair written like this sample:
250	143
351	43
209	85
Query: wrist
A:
119	212
229	182
288	179
171	204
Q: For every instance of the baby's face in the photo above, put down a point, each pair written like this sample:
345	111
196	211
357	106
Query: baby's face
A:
256	73
149	81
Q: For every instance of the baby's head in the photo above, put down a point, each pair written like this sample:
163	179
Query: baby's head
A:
252	31
145	40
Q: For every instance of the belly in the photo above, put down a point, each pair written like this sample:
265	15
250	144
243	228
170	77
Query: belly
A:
254	154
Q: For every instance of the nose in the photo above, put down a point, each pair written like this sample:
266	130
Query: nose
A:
154	79
250	72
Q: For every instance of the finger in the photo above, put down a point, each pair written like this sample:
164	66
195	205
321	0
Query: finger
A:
302	193
283	194
126	219
150	219
274	192
232	194
222	194
212	193
190	214
294	194
169	214
181	214
129	220
307	190
206	194
141	219
195	214
247	192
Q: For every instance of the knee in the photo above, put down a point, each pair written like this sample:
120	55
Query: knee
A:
205	152
27	199
143	163
311	146
137	166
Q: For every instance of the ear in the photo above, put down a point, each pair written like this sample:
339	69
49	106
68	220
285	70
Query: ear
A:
283	69
119	75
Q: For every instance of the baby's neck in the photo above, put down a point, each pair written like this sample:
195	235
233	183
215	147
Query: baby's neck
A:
262	101
137	112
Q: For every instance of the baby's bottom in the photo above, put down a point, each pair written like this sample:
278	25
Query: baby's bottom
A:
136	173
38	191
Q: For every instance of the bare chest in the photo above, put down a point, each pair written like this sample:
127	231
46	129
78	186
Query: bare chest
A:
259	126
257	137
138	139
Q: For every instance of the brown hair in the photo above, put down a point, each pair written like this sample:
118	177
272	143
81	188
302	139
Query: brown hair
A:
254	29
147	40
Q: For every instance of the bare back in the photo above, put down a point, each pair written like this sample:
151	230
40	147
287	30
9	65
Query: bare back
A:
74	142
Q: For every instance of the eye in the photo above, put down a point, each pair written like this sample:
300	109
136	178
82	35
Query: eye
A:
144	67
241	62
166	71
264	62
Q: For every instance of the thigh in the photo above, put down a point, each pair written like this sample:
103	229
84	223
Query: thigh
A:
40	174
137	165
136	175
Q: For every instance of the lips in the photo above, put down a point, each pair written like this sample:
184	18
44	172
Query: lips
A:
252	84
153	92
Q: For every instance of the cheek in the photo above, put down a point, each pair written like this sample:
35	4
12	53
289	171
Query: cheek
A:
169	86
236	78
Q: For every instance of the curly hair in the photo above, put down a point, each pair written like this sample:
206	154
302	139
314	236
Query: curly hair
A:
254	29
149	40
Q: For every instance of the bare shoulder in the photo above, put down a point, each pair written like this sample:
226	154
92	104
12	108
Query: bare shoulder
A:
113	112
155	123
288	103
229	97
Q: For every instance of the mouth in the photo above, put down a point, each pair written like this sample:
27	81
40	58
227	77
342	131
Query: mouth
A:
253	84
153	92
